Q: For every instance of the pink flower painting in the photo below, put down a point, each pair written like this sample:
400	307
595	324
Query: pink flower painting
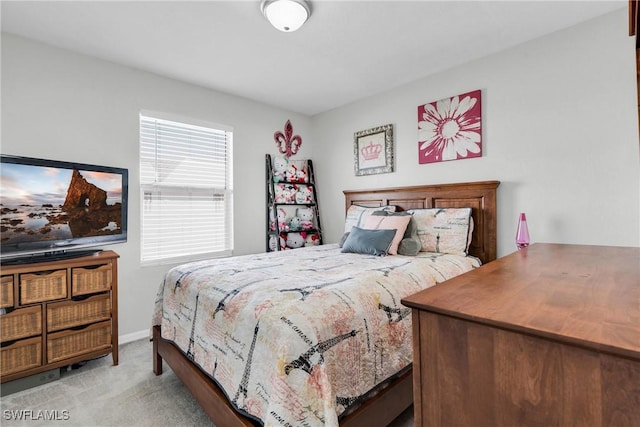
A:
450	129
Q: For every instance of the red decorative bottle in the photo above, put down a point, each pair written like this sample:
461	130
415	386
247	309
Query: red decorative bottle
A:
522	235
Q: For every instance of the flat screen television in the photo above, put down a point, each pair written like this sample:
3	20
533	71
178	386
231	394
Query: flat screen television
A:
51	208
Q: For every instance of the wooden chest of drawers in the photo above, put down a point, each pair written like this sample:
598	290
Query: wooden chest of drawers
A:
58	313
547	336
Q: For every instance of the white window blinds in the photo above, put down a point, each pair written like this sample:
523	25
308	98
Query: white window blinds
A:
186	188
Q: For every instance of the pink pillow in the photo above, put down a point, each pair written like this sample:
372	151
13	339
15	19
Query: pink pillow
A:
398	223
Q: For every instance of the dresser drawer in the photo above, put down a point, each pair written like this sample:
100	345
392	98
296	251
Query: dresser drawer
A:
89	280
70	343
21	323
21	355
43	286
67	314
6	291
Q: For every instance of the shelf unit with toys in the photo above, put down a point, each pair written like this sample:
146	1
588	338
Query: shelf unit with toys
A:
293	219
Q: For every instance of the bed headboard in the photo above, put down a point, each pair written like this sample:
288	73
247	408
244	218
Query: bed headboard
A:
479	196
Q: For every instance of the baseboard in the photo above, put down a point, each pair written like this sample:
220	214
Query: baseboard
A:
134	336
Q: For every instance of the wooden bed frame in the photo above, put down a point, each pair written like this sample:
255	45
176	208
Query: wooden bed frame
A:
389	403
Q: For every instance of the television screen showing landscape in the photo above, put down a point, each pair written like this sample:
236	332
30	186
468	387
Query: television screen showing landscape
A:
45	203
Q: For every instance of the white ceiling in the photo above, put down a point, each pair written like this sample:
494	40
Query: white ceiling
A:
346	51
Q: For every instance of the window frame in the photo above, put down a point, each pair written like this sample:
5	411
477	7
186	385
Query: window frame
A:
228	192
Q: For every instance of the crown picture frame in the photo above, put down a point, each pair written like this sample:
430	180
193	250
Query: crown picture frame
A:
373	150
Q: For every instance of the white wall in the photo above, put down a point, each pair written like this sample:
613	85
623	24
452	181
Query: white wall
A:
560	131
64	106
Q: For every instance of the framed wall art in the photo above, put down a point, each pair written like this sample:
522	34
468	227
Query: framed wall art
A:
373	150
450	129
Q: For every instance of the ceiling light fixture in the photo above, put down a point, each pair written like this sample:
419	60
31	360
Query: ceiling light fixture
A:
286	15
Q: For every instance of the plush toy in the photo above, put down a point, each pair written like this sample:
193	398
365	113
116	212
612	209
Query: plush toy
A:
301	175
295	223
280	192
291	173
304	194
283	242
312	240
299	196
280	167
292	192
285	193
295	240
282	220
306	218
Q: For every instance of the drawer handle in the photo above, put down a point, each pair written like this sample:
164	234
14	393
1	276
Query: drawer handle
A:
93	267
79	328
8	343
45	273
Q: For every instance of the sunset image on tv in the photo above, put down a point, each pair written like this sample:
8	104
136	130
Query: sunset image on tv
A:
45	203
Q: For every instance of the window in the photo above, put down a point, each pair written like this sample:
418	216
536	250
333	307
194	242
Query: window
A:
186	188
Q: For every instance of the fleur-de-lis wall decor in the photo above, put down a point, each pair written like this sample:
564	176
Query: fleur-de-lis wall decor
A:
288	143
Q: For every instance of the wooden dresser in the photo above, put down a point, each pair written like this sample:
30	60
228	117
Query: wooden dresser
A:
58	313
547	336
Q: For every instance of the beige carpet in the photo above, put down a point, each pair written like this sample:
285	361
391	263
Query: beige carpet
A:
100	394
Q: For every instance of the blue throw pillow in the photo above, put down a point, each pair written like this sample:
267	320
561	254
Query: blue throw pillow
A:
370	242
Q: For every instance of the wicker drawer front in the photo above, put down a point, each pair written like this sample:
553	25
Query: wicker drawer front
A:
21	323
21	355
90	280
6	291
43	286
63	315
71	343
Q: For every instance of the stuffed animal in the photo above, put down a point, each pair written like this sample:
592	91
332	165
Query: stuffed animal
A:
280	167
295	240
299	196
308	193
297	171
312	240
306	218
295	223
282	220
304	194
272	220
301	175
291	173
285	193
283	242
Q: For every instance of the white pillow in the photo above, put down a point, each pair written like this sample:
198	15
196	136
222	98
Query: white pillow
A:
444	230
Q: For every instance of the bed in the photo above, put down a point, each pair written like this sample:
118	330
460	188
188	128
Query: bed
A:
318	368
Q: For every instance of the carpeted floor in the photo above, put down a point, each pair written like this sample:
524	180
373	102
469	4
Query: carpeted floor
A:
100	394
